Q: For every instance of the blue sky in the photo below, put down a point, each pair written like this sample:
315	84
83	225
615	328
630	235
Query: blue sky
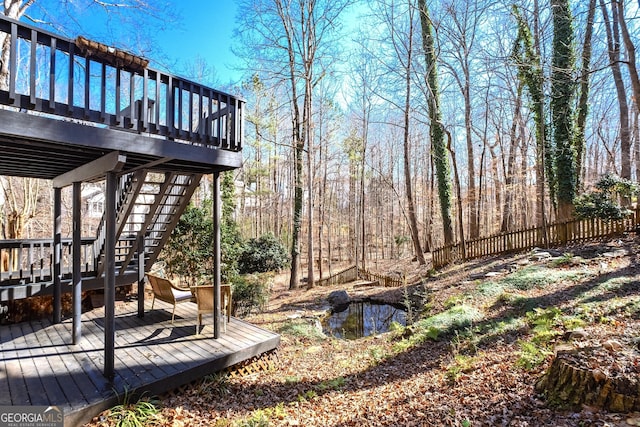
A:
206	31
203	31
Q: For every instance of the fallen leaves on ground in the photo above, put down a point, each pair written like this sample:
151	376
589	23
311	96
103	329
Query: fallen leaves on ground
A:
370	382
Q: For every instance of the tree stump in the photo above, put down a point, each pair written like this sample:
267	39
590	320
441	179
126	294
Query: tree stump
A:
593	376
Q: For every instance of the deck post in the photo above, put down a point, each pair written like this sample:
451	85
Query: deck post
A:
140	250
77	271
110	275
217	209
57	255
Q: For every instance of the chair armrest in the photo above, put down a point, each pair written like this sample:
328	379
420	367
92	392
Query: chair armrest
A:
179	288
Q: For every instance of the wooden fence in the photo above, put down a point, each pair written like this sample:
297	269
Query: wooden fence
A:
386	281
563	233
345	276
354	273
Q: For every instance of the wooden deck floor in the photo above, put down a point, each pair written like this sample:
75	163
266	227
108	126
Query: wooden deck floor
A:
40	366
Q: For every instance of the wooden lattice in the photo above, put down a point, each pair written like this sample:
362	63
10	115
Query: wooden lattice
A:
262	363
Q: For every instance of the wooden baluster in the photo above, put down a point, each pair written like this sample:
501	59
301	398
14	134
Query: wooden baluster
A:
32	68
52	75
144	120
70	86
13	63
87	88
118	101
170	107
103	93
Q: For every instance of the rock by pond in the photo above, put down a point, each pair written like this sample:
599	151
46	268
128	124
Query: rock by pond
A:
339	300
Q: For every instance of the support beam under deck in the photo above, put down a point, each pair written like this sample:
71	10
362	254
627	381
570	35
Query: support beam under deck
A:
112	162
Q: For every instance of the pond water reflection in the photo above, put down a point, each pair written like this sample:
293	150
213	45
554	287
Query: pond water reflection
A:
361	319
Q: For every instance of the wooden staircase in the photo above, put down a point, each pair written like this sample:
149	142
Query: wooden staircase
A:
148	204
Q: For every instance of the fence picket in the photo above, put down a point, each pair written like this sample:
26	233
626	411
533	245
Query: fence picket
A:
558	233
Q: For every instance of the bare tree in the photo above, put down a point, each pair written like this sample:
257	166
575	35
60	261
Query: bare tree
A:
293	38
21	201
13	9
631	50
460	26
583	101
612	27
121	23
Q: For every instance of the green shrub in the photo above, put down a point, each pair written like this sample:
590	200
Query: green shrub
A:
490	289
266	253
189	250
461	365
602	202
334	384
598	205
537	277
565	260
250	293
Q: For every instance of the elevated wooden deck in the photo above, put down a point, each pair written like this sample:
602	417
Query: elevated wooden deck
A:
67	102
39	366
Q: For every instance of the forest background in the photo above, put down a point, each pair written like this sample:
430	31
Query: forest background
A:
385	128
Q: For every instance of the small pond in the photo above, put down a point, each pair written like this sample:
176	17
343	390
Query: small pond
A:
362	318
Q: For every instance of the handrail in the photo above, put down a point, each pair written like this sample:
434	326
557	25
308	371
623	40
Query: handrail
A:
54	75
124	184
31	260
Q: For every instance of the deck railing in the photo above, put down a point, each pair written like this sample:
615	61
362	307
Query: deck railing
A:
94	83
31	260
563	233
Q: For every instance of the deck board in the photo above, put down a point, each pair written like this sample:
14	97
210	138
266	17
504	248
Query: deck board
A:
39	365
56	364
42	387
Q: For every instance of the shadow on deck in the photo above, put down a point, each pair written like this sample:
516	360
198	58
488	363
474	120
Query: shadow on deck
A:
40	366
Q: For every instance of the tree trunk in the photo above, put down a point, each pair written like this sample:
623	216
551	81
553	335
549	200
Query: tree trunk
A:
463	245
583	102
297	220
636	138
310	181
631	52
562	99
497	188
440	154
474	232
508	213
613	43
527	55
570	382
413	221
